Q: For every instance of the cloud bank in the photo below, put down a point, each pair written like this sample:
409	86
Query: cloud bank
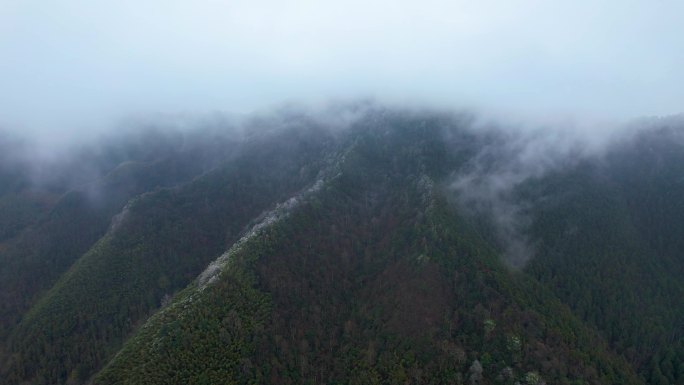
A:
70	66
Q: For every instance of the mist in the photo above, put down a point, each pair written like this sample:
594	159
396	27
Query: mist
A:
556	81
71	69
511	156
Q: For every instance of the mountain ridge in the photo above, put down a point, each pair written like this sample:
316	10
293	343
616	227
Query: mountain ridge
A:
346	256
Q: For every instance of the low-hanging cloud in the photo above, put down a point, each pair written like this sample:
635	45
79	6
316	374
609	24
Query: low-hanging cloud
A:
487	186
71	66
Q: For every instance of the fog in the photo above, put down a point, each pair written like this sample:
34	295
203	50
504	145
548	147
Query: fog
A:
516	154
555	80
70	69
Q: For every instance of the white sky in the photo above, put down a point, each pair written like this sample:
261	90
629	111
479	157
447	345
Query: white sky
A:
68	66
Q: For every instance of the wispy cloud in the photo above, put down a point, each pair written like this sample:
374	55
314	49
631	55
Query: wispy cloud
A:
512	156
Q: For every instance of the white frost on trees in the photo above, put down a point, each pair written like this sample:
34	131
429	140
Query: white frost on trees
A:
212	272
119	218
475	372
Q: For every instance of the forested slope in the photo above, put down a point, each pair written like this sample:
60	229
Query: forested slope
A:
336	249
610	237
156	244
368	279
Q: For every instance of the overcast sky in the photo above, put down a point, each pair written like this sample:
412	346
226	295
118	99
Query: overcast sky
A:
68	65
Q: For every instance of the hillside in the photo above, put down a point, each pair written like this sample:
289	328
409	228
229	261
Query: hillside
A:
344	251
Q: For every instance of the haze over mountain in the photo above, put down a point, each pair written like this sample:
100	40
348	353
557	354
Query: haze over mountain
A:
361	244
306	192
71	67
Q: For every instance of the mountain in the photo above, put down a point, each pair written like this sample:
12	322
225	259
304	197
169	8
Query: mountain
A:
368	245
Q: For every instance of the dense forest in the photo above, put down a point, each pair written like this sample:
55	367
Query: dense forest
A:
362	246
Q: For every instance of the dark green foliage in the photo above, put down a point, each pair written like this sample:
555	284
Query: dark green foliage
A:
374	277
372	280
611	247
203	337
33	259
160	242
